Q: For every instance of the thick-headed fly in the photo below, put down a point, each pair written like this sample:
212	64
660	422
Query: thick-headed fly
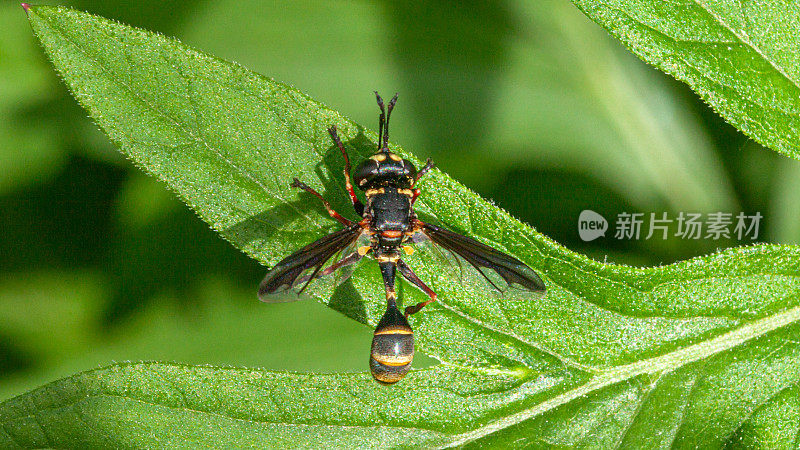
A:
388	223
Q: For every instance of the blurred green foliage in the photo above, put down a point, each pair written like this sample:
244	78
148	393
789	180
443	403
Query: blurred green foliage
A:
528	103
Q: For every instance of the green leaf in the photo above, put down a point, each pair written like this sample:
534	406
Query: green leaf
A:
597	95
741	57
676	355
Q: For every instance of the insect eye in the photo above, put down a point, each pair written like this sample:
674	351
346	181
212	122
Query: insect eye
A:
364	172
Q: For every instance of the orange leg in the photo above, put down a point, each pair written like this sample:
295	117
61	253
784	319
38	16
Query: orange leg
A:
359	207
300	185
409	275
428	166
416	193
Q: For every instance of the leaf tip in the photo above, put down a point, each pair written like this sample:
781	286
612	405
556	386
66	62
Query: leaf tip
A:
26	7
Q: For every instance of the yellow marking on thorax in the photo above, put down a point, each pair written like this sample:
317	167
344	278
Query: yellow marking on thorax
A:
371	192
378	157
363	250
407	192
395	157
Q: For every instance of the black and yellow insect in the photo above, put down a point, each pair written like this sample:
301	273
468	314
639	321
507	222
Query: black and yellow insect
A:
388	224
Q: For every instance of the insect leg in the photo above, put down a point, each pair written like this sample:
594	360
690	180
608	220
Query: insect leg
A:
359	207
428	166
352	258
300	185
409	275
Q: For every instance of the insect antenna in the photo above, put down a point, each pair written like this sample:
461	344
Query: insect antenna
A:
386	125
381	120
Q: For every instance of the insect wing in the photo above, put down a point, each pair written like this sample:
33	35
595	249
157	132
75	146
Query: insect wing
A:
344	264
348	264
502	271
288	278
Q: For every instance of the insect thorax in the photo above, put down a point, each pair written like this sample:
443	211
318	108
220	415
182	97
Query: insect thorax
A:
385	168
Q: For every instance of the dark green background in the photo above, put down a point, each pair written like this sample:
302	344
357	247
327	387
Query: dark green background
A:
528	103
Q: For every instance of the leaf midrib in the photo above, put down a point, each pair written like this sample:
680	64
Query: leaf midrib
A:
746	42
659	364
739	42
177	123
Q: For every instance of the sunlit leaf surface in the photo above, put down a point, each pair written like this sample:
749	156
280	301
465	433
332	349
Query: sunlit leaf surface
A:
741	57
700	353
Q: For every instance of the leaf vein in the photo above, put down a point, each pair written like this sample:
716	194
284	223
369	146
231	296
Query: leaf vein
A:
747	42
177	123
667	362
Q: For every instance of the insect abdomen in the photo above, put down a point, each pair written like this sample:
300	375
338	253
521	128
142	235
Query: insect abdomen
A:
392	347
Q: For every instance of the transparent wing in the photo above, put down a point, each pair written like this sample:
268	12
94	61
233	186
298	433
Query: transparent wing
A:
344	263
501	271
292	275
